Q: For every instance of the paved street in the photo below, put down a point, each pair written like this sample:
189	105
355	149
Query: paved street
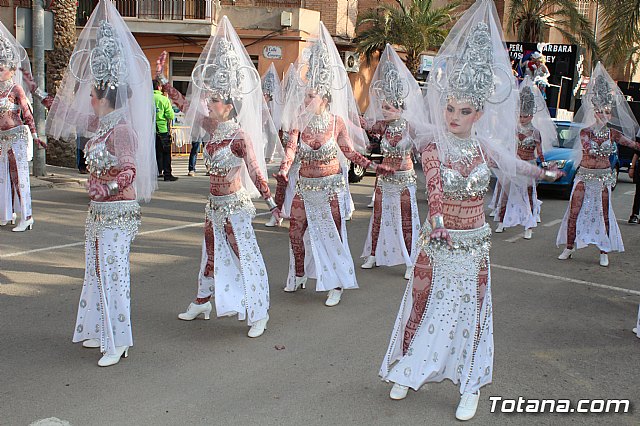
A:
561	329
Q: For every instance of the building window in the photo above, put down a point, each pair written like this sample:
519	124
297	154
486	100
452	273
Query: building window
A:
584	7
255	59
180	72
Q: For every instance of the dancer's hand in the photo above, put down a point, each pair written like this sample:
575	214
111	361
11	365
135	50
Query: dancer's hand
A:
160	62
28	81
281	177
97	191
276	213
440	236
384	170
39	142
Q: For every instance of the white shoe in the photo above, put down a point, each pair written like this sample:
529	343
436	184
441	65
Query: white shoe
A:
195	310
301	282
408	272
635	331
24	225
468	406
500	228
107	360
370	263
258	327
567	253
91	343
273	222
334	297
528	233
13	220
604	259
398	392
492	214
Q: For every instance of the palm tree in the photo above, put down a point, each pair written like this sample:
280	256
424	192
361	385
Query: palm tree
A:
620	40
531	19
59	152
414	25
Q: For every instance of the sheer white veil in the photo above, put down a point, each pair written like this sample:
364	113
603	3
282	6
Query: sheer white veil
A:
108	57
13	55
602	93
320	68
532	103
225	70
473	66
272	87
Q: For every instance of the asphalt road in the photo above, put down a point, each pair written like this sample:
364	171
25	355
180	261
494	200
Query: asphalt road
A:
561	329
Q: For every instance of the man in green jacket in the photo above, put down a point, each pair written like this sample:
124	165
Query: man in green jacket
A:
164	117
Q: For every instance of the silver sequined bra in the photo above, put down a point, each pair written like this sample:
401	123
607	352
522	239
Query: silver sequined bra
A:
325	154
98	158
527	143
401	150
222	161
220	207
122	215
458	187
6	105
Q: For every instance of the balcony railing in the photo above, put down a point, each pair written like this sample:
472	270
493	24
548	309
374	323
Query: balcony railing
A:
163	10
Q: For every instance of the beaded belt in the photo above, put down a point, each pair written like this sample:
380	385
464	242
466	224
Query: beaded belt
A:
327	184
471	242
124	215
220	207
403	178
606	176
7	137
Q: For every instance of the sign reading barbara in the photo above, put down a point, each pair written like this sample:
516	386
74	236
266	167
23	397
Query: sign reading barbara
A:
272	52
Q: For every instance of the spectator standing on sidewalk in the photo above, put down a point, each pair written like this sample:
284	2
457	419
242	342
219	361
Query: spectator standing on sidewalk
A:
164	116
193	155
634	174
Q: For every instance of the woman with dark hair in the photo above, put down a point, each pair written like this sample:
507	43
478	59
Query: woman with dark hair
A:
116	86
225	102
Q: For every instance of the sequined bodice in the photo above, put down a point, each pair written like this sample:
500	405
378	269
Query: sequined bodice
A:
7	105
401	150
222	161
604	149
325	154
528	142
98	158
459	187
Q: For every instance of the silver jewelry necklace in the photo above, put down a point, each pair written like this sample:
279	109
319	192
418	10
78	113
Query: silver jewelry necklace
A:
396	127
224	131
319	123
462	150
6	85
108	122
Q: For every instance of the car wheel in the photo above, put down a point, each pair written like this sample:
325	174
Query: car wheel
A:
356	173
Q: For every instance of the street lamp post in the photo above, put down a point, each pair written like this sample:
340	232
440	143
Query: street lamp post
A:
37	25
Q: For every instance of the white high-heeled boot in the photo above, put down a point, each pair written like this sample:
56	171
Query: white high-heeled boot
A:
567	253
500	228
273	222
23	225
528	233
194	310
13	220
258	327
468	406
369	263
398	392
301	282
107	360
334	297
604	259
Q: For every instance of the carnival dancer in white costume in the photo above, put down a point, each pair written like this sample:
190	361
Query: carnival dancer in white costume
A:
225	100
444	329
273	92
322	127
395	110
606	119
109	75
518	203
17	130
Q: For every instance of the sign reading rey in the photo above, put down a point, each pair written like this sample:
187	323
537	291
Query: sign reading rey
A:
272	52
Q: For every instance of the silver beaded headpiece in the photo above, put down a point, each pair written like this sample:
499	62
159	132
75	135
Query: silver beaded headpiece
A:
602	94
8	55
226	76
472	79
319	73
107	64
391	87
268	84
527	101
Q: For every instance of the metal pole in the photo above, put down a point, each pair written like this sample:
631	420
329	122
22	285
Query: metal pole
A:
39	155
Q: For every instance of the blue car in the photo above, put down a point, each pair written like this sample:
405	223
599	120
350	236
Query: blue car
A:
560	155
